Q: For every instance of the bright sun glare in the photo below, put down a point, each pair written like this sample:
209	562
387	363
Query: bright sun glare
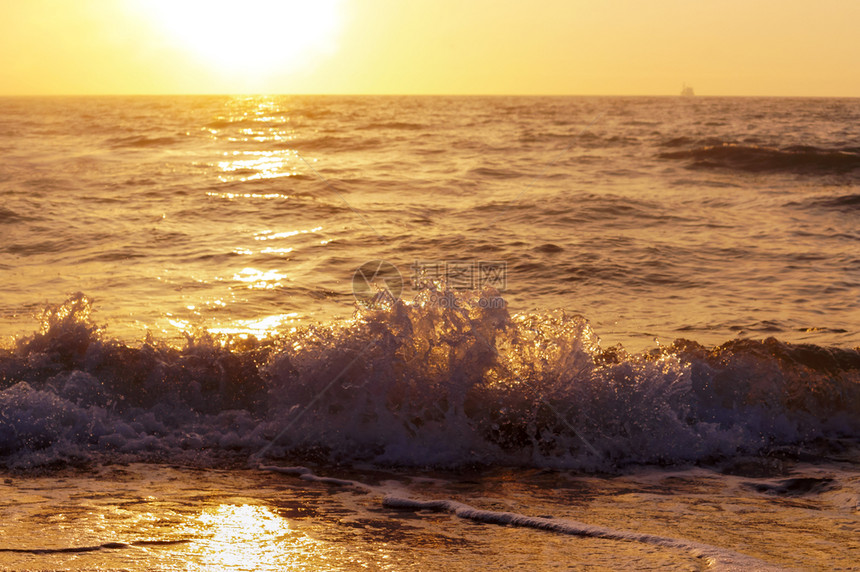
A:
249	37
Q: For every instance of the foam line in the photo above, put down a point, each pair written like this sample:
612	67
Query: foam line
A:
306	474
714	557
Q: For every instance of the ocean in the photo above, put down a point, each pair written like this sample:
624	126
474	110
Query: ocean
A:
388	333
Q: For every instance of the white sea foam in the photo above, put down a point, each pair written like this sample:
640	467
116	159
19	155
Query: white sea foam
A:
416	384
718	558
714	557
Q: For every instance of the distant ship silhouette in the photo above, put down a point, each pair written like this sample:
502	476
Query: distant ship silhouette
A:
686	90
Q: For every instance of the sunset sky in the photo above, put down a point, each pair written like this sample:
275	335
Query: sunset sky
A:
623	47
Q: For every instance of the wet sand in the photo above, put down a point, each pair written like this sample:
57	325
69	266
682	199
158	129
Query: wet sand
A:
156	517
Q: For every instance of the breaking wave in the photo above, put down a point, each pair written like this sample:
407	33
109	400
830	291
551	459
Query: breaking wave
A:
416	383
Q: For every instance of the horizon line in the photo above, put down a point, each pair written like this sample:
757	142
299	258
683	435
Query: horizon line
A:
309	94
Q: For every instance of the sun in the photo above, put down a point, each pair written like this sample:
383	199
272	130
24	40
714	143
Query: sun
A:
249	38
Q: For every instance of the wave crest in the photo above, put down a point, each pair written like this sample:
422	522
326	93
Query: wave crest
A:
754	159
418	383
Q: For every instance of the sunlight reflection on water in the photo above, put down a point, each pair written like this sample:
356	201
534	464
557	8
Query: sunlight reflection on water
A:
247	537
251	165
259	279
261	329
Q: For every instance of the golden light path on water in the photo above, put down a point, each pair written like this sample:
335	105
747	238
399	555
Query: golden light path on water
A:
244	166
261	328
260	279
254	165
235	313
272	235
240	166
240	537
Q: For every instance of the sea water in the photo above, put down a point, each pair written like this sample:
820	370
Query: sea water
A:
624	329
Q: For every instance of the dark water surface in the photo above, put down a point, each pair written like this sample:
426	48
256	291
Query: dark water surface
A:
660	218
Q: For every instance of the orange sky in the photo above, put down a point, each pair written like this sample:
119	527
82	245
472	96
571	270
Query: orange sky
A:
726	47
